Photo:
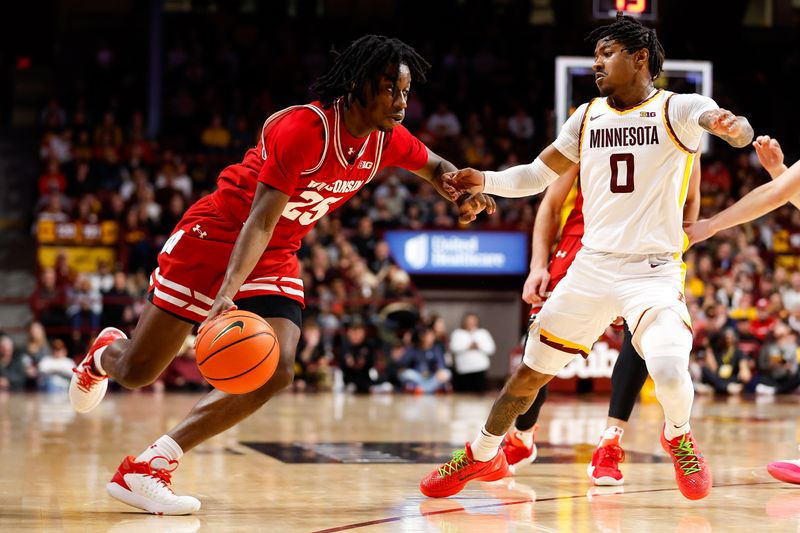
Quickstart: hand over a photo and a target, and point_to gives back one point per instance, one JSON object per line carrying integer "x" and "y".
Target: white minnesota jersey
{"x": 635, "y": 168}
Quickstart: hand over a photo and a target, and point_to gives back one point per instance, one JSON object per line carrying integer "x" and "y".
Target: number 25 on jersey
{"x": 311, "y": 210}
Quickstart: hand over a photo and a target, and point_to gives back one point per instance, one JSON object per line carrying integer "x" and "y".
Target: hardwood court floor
{"x": 340, "y": 463}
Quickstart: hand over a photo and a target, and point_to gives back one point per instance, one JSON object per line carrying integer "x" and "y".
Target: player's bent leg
{"x": 213, "y": 414}
{"x": 131, "y": 362}
{"x": 666, "y": 343}
{"x": 482, "y": 460}
{"x": 519, "y": 444}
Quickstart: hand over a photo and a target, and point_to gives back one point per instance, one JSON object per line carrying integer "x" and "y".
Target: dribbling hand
{"x": 222, "y": 304}
{"x": 466, "y": 180}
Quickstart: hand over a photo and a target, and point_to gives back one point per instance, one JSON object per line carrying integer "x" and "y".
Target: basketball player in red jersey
{"x": 630, "y": 371}
{"x": 237, "y": 248}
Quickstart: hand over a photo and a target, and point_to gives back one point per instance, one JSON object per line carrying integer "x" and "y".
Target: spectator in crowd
{"x": 55, "y": 369}
{"x": 777, "y": 363}
{"x": 16, "y": 368}
{"x": 422, "y": 367}
{"x": 84, "y": 305}
{"x": 49, "y": 300}
{"x": 116, "y": 300}
{"x": 444, "y": 123}
{"x": 216, "y": 138}
{"x": 471, "y": 346}
{"x": 357, "y": 356}
{"x": 312, "y": 364}
{"x": 520, "y": 124}
{"x": 37, "y": 346}
{"x": 726, "y": 368}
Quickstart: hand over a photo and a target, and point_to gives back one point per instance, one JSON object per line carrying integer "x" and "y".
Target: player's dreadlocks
{"x": 365, "y": 60}
{"x": 633, "y": 36}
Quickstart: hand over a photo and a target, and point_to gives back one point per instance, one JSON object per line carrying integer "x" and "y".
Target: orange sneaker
{"x": 517, "y": 453}
{"x": 87, "y": 389}
{"x": 147, "y": 486}
{"x": 451, "y": 477}
{"x": 604, "y": 469}
{"x": 691, "y": 471}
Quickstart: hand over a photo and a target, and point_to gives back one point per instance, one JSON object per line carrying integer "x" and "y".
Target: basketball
{"x": 238, "y": 352}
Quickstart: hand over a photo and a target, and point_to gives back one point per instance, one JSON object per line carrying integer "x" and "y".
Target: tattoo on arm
{"x": 505, "y": 411}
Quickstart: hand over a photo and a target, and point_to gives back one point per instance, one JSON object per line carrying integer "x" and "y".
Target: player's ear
{"x": 642, "y": 58}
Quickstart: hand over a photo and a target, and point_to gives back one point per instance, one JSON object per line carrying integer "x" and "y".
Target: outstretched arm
{"x": 770, "y": 155}
{"x": 734, "y": 130}
{"x": 469, "y": 205}
{"x": 514, "y": 182}
{"x": 754, "y": 204}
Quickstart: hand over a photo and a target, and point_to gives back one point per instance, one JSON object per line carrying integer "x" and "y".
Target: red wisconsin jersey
{"x": 573, "y": 226}
{"x": 306, "y": 153}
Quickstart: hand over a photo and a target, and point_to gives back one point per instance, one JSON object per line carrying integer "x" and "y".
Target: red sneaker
{"x": 87, "y": 388}
{"x": 604, "y": 469}
{"x": 147, "y": 486}
{"x": 691, "y": 471}
{"x": 451, "y": 477}
{"x": 517, "y": 453}
{"x": 787, "y": 470}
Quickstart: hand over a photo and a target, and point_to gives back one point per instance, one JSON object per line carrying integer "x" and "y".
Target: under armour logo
{"x": 200, "y": 232}
{"x": 351, "y": 151}
{"x": 561, "y": 254}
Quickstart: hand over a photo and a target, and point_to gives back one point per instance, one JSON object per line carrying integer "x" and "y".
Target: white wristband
{"x": 518, "y": 181}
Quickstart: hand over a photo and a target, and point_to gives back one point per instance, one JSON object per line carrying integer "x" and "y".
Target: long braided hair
{"x": 633, "y": 36}
{"x": 365, "y": 61}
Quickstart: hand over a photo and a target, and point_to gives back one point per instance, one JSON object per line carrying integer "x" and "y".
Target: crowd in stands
{"x": 364, "y": 328}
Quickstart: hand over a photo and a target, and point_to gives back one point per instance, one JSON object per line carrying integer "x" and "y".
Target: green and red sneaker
{"x": 691, "y": 471}
{"x": 451, "y": 477}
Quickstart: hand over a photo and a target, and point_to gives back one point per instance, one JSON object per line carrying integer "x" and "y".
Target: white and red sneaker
{"x": 87, "y": 388}
{"x": 604, "y": 468}
{"x": 787, "y": 470}
{"x": 147, "y": 486}
{"x": 517, "y": 452}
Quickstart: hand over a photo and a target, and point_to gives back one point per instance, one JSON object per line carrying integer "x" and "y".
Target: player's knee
{"x": 668, "y": 373}
{"x": 666, "y": 336}
{"x": 283, "y": 377}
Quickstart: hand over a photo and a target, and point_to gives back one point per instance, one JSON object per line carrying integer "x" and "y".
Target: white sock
{"x": 526, "y": 436}
{"x": 610, "y": 434}
{"x": 97, "y": 356}
{"x": 485, "y": 447}
{"x": 670, "y": 431}
{"x": 165, "y": 446}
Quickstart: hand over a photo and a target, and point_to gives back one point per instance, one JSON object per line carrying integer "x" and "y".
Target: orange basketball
{"x": 237, "y": 352}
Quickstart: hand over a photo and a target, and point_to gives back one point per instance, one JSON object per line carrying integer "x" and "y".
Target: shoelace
{"x": 459, "y": 461}
{"x": 611, "y": 456}
{"x": 686, "y": 457}
{"x": 85, "y": 380}
{"x": 163, "y": 475}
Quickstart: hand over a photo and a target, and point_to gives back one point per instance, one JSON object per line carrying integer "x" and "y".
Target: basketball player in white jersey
{"x": 635, "y": 146}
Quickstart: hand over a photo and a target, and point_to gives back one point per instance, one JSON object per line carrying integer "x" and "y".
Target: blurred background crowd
{"x": 365, "y": 326}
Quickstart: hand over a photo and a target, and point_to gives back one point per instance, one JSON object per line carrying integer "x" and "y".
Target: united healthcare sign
{"x": 460, "y": 252}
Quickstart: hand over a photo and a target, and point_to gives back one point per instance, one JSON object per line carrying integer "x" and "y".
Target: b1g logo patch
{"x": 647, "y": 114}
{"x": 365, "y": 164}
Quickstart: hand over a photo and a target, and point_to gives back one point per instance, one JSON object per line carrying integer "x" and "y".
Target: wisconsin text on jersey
{"x": 336, "y": 186}
{"x": 628, "y": 136}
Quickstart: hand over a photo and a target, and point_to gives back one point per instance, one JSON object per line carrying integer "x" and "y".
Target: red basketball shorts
{"x": 193, "y": 261}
